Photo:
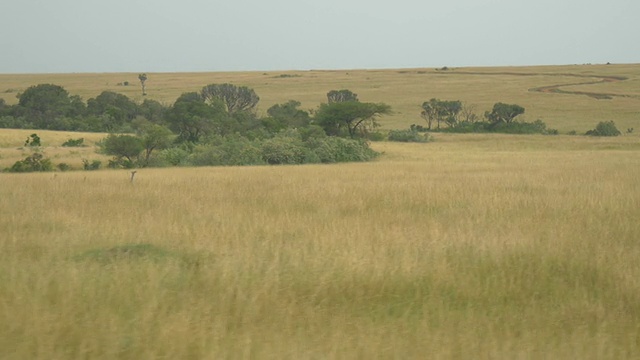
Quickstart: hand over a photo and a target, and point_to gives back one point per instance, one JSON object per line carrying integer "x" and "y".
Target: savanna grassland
{"x": 405, "y": 90}
{"x": 470, "y": 246}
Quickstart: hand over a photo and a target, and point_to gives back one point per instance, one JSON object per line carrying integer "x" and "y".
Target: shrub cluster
{"x": 74, "y": 143}
{"x": 32, "y": 163}
{"x": 604, "y": 128}
{"x": 411, "y": 135}
{"x": 287, "y": 148}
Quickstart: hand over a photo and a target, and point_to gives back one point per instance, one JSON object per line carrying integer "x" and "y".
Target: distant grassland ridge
{"x": 549, "y": 93}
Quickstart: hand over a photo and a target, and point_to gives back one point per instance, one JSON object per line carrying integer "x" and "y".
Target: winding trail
{"x": 557, "y": 89}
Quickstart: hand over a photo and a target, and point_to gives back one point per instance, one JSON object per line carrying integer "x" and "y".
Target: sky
{"x": 76, "y": 36}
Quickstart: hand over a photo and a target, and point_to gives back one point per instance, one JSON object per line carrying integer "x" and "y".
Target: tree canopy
{"x": 353, "y": 116}
{"x": 441, "y": 111}
{"x": 335, "y": 96}
{"x": 504, "y": 113}
{"x": 235, "y": 98}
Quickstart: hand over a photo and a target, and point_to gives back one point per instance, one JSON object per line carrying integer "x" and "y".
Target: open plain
{"x": 469, "y": 246}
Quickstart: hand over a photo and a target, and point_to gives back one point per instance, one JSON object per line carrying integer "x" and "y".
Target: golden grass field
{"x": 468, "y": 247}
{"x": 405, "y": 90}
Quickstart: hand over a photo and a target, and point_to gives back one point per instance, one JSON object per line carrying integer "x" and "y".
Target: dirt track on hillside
{"x": 557, "y": 89}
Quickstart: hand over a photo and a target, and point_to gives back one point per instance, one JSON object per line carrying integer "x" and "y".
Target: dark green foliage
{"x": 441, "y": 111}
{"x": 604, "y": 128}
{"x": 284, "y": 149}
{"x": 375, "y": 136}
{"x": 333, "y": 149}
{"x": 32, "y": 163}
{"x": 33, "y": 140}
{"x": 153, "y": 137}
{"x": 10, "y": 122}
{"x": 287, "y": 115}
{"x": 288, "y": 147}
{"x": 515, "y": 127}
{"x": 124, "y": 148}
{"x": 350, "y": 118}
{"x": 347, "y": 150}
{"x": 119, "y": 107}
{"x": 192, "y": 118}
{"x": 336, "y": 96}
{"x": 408, "y": 136}
{"x": 174, "y": 156}
{"x": 504, "y": 113}
{"x": 63, "y": 167}
{"x": 43, "y": 103}
{"x": 74, "y": 143}
{"x": 152, "y": 110}
{"x": 226, "y": 151}
{"x": 418, "y": 128}
{"x": 93, "y": 165}
{"x": 235, "y": 98}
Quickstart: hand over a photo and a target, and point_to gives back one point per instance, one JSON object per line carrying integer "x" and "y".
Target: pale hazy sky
{"x": 54, "y": 36}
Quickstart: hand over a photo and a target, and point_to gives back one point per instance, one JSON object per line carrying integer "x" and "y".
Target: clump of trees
{"x": 455, "y": 116}
{"x": 218, "y": 125}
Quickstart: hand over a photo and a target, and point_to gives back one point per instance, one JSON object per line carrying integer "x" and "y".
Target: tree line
{"x": 217, "y": 125}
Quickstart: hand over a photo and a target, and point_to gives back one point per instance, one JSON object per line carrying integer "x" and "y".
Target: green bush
{"x": 172, "y": 157}
{"x": 375, "y": 136}
{"x": 63, "y": 167}
{"x": 32, "y": 163}
{"x": 74, "y": 143}
{"x": 33, "y": 140}
{"x": 408, "y": 136}
{"x": 283, "y": 150}
{"x": 604, "y": 128}
{"x": 226, "y": 151}
{"x": 348, "y": 150}
{"x": 93, "y": 165}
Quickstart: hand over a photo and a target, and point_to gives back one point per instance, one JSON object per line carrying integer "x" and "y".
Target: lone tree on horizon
{"x": 143, "y": 78}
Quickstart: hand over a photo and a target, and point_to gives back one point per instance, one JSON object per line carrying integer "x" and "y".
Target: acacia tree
{"x": 504, "y": 113}
{"x": 235, "y": 98}
{"x": 355, "y": 116}
{"x": 335, "y": 96}
{"x": 143, "y": 78}
{"x": 441, "y": 111}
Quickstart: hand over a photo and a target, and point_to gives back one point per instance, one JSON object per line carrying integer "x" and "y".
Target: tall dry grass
{"x": 468, "y": 247}
{"x": 12, "y": 147}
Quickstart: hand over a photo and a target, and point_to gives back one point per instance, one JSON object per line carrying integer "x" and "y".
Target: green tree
{"x": 154, "y": 137}
{"x": 351, "y": 116}
{"x": 192, "y": 118}
{"x": 335, "y": 96}
{"x": 287, "y": 115}
{"x": 118, "y": 106}
{"x": 234, "y": 98}
{"x": 153, "y": 110}
{"x": 43, "y": 103}
{"x": 123, "y": 147}
{"x": 441, "y": 111}
{"x": 504, "y": 113}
